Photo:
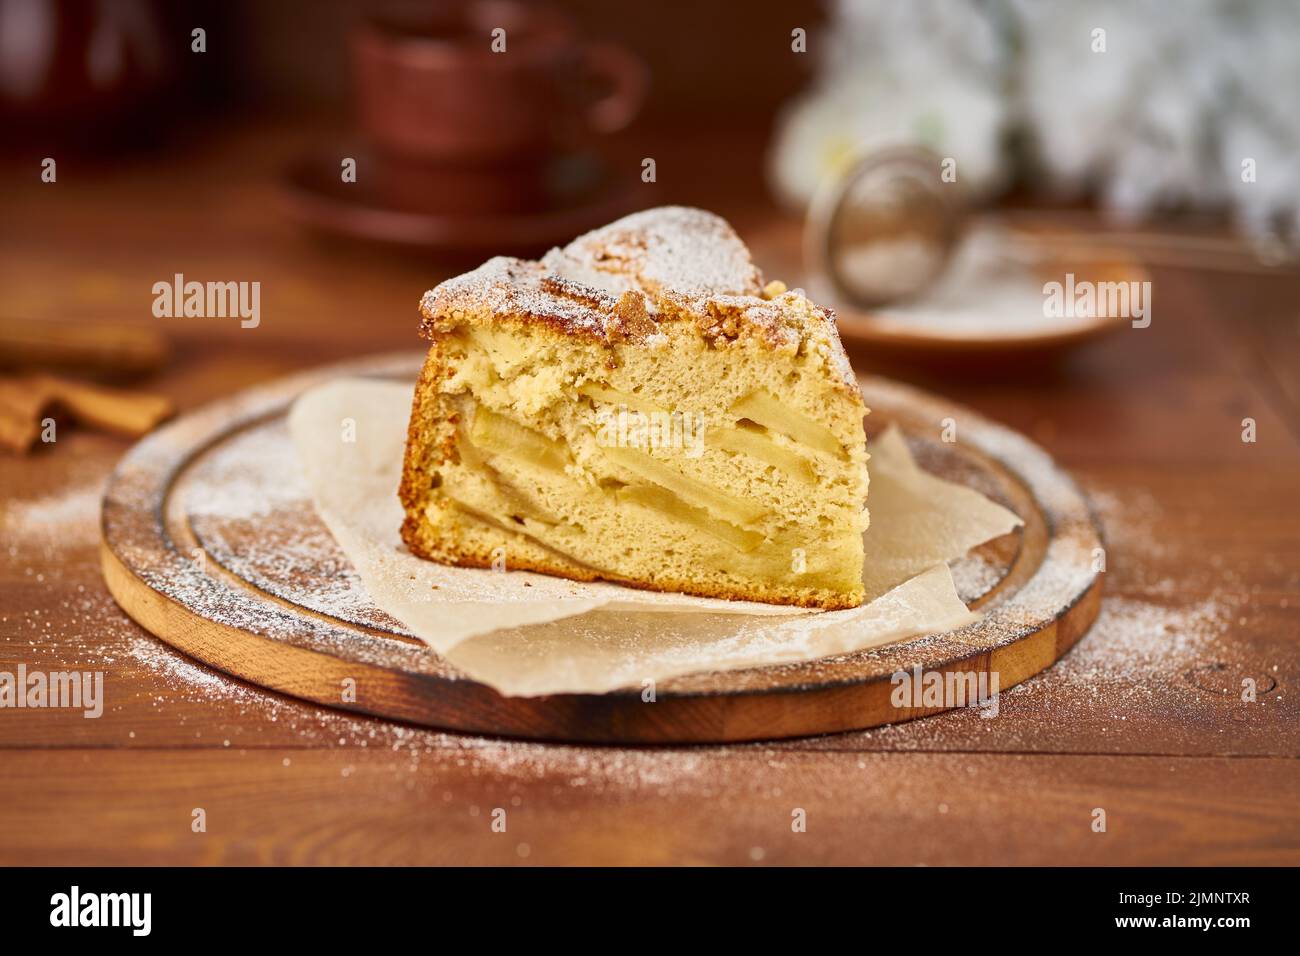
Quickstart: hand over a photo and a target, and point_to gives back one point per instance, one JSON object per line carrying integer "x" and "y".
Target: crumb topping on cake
{"x": 669, "y": 249}
{"x": 619, "y": 282}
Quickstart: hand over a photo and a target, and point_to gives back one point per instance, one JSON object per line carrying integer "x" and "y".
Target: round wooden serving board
{"x": 210, "y": 542}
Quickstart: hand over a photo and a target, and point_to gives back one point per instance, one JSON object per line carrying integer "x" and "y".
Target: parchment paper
{"x": 530, "y": 634}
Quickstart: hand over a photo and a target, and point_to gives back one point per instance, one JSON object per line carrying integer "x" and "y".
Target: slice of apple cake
{"x": 638, "y": 407}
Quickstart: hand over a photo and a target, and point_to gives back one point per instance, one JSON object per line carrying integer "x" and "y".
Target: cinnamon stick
{"x": 26, "y": 400}
{"x": 22, "y": 405}
{"x": 126, "y": 413}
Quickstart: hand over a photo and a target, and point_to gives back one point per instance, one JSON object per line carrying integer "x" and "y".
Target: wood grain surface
{"x": 1141, "y": 719}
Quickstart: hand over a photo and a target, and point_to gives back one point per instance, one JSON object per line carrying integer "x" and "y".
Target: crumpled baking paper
{"x": 528, "y": 634}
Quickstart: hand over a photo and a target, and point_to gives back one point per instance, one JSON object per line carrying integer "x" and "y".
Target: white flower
{"x": 928, "y": 71}
{"x": 1144, "y": 104}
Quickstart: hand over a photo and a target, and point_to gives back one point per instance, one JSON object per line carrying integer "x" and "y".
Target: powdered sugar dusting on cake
{"x": 624, "y": 281}
{"x": 669, "y": 249}
{"x": 515, "y": 286}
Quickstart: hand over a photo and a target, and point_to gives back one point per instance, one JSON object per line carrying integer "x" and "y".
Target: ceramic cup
{"x": 467, "y": 104}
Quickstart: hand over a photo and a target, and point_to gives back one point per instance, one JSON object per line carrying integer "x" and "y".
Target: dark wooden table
{"x": 1143, "y": 720}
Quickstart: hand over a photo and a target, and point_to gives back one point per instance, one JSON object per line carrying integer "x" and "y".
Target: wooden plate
{"x": 244, "y": 578}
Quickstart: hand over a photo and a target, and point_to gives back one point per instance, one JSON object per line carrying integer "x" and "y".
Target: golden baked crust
{"x": 644, "y": 286}
{"x": 620, "y": 281}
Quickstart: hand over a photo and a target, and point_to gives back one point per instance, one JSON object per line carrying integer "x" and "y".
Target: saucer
{"x": 980, "y": 306}
{"x": 581, "y": 192}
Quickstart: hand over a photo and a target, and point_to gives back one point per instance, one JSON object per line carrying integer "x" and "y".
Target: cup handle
{"x": 628, "y": 79}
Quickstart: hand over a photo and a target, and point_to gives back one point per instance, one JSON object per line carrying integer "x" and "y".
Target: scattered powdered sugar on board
{"x": 1134, "y": 640}
{"x": 975, "y": 576}
{"x": 47, "y": 538}
{"x": 591, "y": 768}
{"x": 65, "y": 519}
{"x": 1161, "y": 668}
{"x": 234, "y": 481}
{"x": 1134, "y": 661}
{"x": 1131, "y": 684}
{"x": 249, "y": 505}
{"x": 177, "y": 671}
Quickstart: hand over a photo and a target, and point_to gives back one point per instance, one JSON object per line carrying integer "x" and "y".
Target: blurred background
{"x": 929, "y": 168}
{"x": 349, "y": 155}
